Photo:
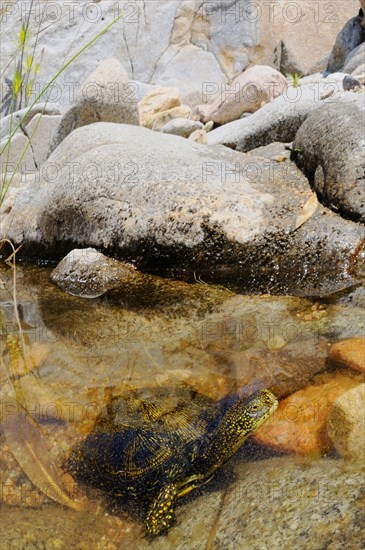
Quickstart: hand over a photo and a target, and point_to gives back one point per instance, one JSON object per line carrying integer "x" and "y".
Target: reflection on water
{"x": 83, "y": 353}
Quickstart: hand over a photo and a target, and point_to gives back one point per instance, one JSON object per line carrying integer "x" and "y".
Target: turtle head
{"x": 247, "y": 414}
{"x": 240, "y": 418}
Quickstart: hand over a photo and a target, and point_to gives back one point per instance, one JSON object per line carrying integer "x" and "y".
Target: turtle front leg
{"x": 161, "y": 512}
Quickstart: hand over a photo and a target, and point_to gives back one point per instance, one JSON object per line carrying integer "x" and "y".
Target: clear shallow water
{"x": 82, "y": 352}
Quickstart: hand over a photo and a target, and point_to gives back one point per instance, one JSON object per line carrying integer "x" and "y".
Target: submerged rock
{"x": 349, "y": 353}
{"x": 88, "y": 273}
{"x": 309, "y": 505}
{"x": 182, "y": 209}
{"x": 175, "y": 333}
{"x": 299, "y": 424}
{"x": 247, "y": 92}
{"x": 346, "y": 424}
{"x": 331, "y": 147}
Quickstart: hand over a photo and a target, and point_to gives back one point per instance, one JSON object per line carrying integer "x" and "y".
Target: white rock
{"x": 248, "y": 92}
{"x": 355, "y": 59}
{"x": 181, "y": 127}
{"x": 200, "y": 136}
{"x": 9, "y": 122}
{"x": 17, "y": 156}
{"x": 157, "y": 121}
{"x": 216, "y": 39}
{"x": 194, "y": 71}
{"x": 106, "y": 95}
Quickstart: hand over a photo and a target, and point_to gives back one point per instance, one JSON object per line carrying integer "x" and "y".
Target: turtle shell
{"x": 143, "y": 439}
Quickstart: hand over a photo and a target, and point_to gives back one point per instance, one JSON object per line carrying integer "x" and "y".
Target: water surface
{"x": 82, "y": 352}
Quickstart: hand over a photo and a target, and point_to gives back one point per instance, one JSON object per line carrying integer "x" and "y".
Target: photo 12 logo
{"x": 70, "y": 11}
{"x": 270, "y": 11}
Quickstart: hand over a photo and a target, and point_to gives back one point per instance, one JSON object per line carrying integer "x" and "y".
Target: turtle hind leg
{"x": 160, "y": 514}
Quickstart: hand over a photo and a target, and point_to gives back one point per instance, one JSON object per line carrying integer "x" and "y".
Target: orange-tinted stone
{"x": 349, "y": 353}
{"x": 299, "y": 423}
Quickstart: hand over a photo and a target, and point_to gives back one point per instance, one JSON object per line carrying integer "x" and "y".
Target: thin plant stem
{"x": 49, "y": 84}
{"x": 15, "y": 299}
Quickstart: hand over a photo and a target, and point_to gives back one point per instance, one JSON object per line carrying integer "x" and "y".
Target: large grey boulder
{"x": 349, "y": 38}
{"x": 355, "y": 59}
{"x": 332, "y": 155}
{"x": 279, "y": 120}
{"x": 181, "y": 209}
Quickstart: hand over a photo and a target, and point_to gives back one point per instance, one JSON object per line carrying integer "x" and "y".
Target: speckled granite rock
{"x": 182, "y": 209}
{"x": 332, "y": 154}
{"x": 272, "y": 504}
{"x": 279, "y": 120}
{"x": 289, "y": 505}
